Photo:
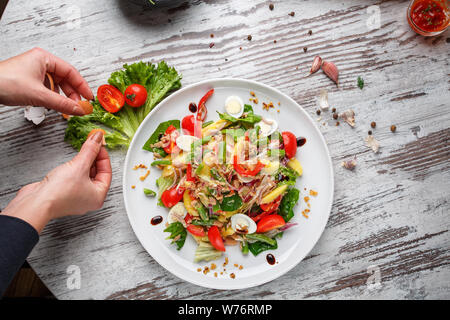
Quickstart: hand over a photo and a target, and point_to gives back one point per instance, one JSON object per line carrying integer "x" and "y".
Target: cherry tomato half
{"x": 135, "y": 95}
{"x": 174, "y": 134}
{"x": 187, "y": 124}
{"x": 111, "y": 99}
{"x": 172, "y": 196}
{"x": 290, "y": 144}
{"x": 215, "y": 238}
{"x": 268, "y": 223}
{"x": 196, "y": 230}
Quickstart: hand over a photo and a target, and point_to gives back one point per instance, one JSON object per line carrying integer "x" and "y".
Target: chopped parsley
{"x": 360, "y": 83}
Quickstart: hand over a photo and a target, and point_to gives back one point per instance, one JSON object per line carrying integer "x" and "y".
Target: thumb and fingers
{"x": 94, "y": 160}
{"x": 70, "y": 81}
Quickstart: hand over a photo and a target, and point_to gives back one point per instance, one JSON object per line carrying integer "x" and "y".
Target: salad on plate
{"x": 226, "y": 182}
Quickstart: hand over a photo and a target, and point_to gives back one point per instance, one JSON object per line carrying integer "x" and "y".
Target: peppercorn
{"x": 310, "y": 32}
{"x": 337, "y": 123}
{"x": 335, "y": 116}
{"x": 305, "y": 49}
{"x": 318, "y": 112}
{"x": 373, "y": 124}
{"x": 292, "y": 14}
{"x": 211, "y": 35}
{"x": 274, "y": 41}
{"x": 271, "y": 6}
{"x": 333, "y": 110}
{"x": 249, "y": 38}
{"x": 393, "y": 128}
{"x": 369, "y": 133}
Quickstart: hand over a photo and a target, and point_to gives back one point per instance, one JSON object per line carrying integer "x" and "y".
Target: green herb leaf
{"x": 360, "y": 83}
{"x": 154, "y": 138}
{"x": 290, "y": 199}
{"x": 176, "y": 229}
{"x": 149, "y": 193}
{"x": 231, "y": 203}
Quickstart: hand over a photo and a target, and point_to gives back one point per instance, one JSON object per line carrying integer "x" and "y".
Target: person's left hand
{"x": 73, "y": 188}
{"x": 22, "y": 82}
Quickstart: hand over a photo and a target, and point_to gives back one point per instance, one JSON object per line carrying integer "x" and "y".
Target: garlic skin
{"x": 323, "y": 100}
{"x": 317, "y": 63}
{"x": 349, "y": 164}
{"x": 348, "y": 116}
{"x": 331, "y": 71}
{"x": 372, "y": 143}
{"x": 35, "y": 114}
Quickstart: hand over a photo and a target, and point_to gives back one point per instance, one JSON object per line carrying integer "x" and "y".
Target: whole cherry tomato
{"x": 270, "y": 222}
{"x": 135, "y": 95}
{"x": 187, "y": 124}
{"x": 172, "y": 196}
{"x": 111, "y": 99}
{"x": 215, "y": 238}
{"x": 290, "y": 144}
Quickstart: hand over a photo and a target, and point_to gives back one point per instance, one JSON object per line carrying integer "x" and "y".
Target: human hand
{"x": 22, "y": 82}
{"x": 73, "y": 188}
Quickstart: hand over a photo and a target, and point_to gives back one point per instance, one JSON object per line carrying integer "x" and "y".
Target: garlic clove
{"x": 331, "y": 71}
{"x": 317, "y": 63}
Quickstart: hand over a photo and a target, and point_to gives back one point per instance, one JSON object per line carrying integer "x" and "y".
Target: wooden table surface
{"x": 390, "y": 217}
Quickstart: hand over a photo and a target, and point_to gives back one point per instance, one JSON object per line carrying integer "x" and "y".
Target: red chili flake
{"x": 211, "y": 44}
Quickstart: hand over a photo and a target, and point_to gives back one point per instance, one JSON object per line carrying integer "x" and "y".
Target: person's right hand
{"x": 22, "y": 82}
{"x": 73, "y": 188}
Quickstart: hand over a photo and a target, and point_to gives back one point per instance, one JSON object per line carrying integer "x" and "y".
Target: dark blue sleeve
{"x": 17, "y": 239}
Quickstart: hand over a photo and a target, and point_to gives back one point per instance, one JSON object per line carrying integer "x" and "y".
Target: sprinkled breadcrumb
{"x": 313, "y": 193}
{"x": 142, "y": 178}
{"x": 133, "y": 186}
{"x": 232, "y": 275}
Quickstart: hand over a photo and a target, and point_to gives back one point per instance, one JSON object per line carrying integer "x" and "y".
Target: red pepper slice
{"x": 244, "y": 171}
{"x": 189, "y": 176}
{"x": 201, "y": 114}
{"x": 272, "y": 206}
{"x": 174, "y": 134}
{"x": 262, "y": 215}
{"x": 202, "y": 111}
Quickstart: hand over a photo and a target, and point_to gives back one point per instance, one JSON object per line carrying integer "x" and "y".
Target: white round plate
{"x": 296, "y": 242}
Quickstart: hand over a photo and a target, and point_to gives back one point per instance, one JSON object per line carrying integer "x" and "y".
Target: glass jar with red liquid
{"x": 429, "y": 17}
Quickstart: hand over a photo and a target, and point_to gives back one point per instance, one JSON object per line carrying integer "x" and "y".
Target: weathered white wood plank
{"x": 392, "y": 211}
